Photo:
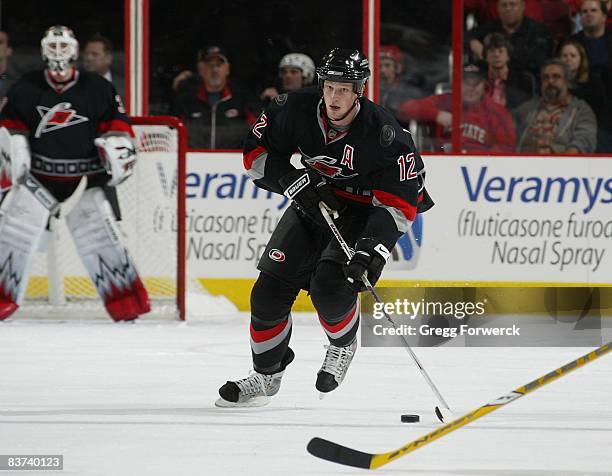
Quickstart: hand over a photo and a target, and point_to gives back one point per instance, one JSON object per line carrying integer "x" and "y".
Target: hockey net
{"x": 151, "y": 202}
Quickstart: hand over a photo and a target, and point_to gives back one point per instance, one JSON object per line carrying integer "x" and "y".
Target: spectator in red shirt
{"x": 485, "y": 125}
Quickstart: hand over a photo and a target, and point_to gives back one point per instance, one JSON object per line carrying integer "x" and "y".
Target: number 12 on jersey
{"x": 406, "y": 167}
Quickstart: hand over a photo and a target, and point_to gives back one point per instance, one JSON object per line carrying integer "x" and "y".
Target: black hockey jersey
{"x": 62, "y": 121}
{"x": 374, "y": 163}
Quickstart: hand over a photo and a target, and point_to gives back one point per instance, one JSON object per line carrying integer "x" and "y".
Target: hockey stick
{"x": 342, "y": 455}
{"x": 349, "y": 253}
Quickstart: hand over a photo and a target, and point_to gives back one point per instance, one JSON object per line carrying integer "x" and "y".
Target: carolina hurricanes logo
{"x": 276, "y": 255}
{"x": 325, "y": 166}
{"x": 57, "y": 117}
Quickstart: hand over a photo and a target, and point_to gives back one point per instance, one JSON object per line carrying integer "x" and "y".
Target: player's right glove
{"x": 307, "y": 188}
{"x": 370, "y": 256}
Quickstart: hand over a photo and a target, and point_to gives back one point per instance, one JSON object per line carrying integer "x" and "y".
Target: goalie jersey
{"x": 373, "y": 167}
{"x": 61, "y": 122}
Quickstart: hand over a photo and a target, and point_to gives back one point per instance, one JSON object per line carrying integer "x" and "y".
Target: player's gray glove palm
{"x": 307, "y": 188}
{"x": 370, "y": 256}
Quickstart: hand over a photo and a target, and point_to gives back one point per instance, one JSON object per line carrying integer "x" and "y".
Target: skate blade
{"x": 322, "y": 395}
{"x": 251, "y": 403}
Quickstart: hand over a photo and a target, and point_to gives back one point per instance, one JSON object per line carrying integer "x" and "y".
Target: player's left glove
{"x": 370, "y": 256}
{"x": 307, "y": 188}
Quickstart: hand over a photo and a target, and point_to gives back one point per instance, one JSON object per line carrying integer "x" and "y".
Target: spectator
{"x": 595, "y": 37}
{"x": 295, "y": 71}
{"x": 485, "y": 125}
{"x": 531, "y": 43}
{"x": 393, "y": 90}
{"x": 217, "y": 116}
{"x": 8, "y": 74}
{"x": 590, "y": 88}
{"x": 558, "y": 122}
{"x": 486, "y": 10}
{"x": 505, "y": 86}
{"x": 98, "y": 58}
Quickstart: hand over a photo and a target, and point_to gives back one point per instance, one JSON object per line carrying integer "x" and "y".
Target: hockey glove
{"x": 307, "y": 188}
{"x": 118, "y": 156}
{"x": 370, "y": 256}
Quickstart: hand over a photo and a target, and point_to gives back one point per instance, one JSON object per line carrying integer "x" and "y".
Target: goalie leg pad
{"x": 24, "y": 213}
{"x": 14, "y": 158}
{"x": 97, "y": 238}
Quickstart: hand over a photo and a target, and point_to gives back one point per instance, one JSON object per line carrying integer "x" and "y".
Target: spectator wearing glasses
{"x": 557, "y": 122}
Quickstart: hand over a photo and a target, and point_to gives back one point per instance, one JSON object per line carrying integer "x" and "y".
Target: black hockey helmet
{"x": 344, "y": 66}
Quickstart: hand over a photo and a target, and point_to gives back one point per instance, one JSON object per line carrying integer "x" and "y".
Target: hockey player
{"x": 66, "y": 125}
{"x": 364, "y": 167}
{"x": 295, "y": 71}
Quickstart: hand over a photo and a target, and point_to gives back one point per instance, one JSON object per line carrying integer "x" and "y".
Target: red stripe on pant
{"x": 340, "y": 329}
{"x": 261, "y": 336}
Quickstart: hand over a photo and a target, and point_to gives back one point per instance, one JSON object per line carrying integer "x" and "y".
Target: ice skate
{"x": 335, "y": 366}
{"x": 254, "y": 390}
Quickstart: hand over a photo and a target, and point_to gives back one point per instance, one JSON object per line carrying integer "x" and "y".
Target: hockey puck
{"x": 410, "y": 418}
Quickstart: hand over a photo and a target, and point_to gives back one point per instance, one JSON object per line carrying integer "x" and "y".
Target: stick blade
{"x": 330, "y": 451}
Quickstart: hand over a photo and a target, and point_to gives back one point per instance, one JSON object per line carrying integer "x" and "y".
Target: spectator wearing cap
{"x": 531, "y": 42}
{"x": 393, "y": 90}
{"x": 295, "y": 71}
{"x": 217, "y": 115}
{"x": 505, "y": 86}
{"x": 98, "y": 58}
{"x": 8, "y": 73}
{"x": 486, "y": 127}
{"x": 557, "y": 122}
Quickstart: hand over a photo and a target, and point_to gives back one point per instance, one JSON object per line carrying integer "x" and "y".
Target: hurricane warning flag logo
{"x": 325, "y": 165}
{"x": 57, "y": 117}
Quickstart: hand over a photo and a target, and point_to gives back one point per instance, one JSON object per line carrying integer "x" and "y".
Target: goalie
{"x": 65, "y": 125}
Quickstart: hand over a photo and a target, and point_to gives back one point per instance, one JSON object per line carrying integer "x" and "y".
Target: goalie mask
{"x": 59, "y": 49}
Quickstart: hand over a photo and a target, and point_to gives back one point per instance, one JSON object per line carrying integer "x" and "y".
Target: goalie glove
{"x": 370, "y": 256}
{"x": 118, "y": 156}
{"x": 14, "y": 158}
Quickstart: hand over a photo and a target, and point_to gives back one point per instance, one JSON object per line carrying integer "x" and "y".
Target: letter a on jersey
{"x": 347, "y": 156}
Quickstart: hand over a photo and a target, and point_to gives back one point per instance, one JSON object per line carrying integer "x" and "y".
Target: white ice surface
{"x": 137, "y": 399}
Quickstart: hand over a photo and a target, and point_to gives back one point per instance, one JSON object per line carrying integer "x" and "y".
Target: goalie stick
{"x": 349, "y": 253}
{"x": 336, "y": 453}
